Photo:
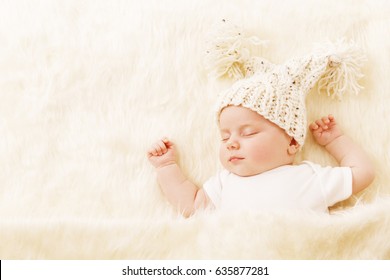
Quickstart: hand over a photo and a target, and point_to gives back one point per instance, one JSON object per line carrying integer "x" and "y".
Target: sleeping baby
{"x": 262, "y": 124}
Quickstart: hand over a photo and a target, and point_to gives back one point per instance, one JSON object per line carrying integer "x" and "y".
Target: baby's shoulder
{"x": 306, "y": 164}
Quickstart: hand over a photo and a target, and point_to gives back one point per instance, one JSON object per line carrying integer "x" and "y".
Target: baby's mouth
{"x": 235, "y": 159}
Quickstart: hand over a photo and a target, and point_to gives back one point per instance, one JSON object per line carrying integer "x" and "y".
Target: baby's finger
{"x": 161, "y": 148}
{"x": 326, "y": 120}
{"x": 321, "y": 124}
{"x": 152, "y": 152}
{"x": 313, "y": 126}
{"x": 167, "y": 142}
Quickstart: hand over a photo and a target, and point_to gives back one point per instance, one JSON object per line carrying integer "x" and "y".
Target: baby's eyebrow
{"x": 247, "y": 125}
{"x": 223, "y": 130}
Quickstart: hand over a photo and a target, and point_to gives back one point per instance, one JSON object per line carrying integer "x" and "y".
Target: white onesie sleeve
{"x": 336, "y": 182}
{"x": 213, "y": 188}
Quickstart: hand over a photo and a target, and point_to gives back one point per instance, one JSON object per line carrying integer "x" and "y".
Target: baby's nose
{"x": 233, "y": 144}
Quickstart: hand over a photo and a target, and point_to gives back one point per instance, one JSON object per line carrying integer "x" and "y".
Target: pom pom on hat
{"x": 343, "y": 71}
{"x": 228, "y": 51}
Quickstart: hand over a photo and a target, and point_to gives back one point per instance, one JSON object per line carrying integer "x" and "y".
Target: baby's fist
{"x": 325, "y": 130}
{"x": 162, "y": 153}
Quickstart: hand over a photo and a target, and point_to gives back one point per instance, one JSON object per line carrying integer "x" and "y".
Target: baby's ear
{"x": 293, "y": 148}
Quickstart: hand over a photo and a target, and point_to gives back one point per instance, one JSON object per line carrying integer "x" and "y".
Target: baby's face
{"x": 250, "y": 143}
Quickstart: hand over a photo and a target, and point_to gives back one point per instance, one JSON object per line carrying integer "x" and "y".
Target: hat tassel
{"x": 228, "y": 51}
{"x": 343, "y": 72}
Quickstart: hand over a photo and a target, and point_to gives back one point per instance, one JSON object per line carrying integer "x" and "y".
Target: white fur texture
{"x": 87, "y": 86}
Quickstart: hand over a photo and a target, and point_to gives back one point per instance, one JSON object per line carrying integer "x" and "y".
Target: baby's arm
{"x": 327, "y": 133}
{"x": 180, "y": 192}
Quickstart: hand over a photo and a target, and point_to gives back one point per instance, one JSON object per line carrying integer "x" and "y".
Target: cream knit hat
{"x": 278, "y": 91}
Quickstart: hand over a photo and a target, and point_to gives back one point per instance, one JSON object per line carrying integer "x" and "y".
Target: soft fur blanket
{"x": 87, "y": 86}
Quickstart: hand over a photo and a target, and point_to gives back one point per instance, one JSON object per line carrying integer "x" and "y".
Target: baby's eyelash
{"x": 250, "y": 133}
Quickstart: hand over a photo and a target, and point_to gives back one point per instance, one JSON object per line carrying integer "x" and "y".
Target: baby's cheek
{"x": 222, "y": 155}
{"x": 261, "y": 153}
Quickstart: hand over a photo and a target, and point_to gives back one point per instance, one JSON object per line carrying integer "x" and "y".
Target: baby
{"x": 262, "y": 122}
{"x": 253, "y": 147}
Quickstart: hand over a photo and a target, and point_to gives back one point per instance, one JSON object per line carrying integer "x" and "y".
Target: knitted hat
{"x": 278, "y": 91}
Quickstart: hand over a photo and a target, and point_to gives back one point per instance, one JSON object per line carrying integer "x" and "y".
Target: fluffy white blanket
{"x": 87, "y": 86}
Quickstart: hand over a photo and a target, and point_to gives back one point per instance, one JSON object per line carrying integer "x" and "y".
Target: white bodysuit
{"x": 306, "y": 186}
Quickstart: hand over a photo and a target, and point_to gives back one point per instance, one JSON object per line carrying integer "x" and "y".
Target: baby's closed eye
{"x": 249, "y": 132}
{"x": 225, "y": 137}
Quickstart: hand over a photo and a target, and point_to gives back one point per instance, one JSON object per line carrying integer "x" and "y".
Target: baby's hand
{"x": 325, "y": 130}
{"x": 162, "y": 153}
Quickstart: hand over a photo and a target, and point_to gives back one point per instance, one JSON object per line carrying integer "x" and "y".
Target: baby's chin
{"x": 243, "y": 172}
{"x": 242, "y": 168}
{"x": 247, "y": 171}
